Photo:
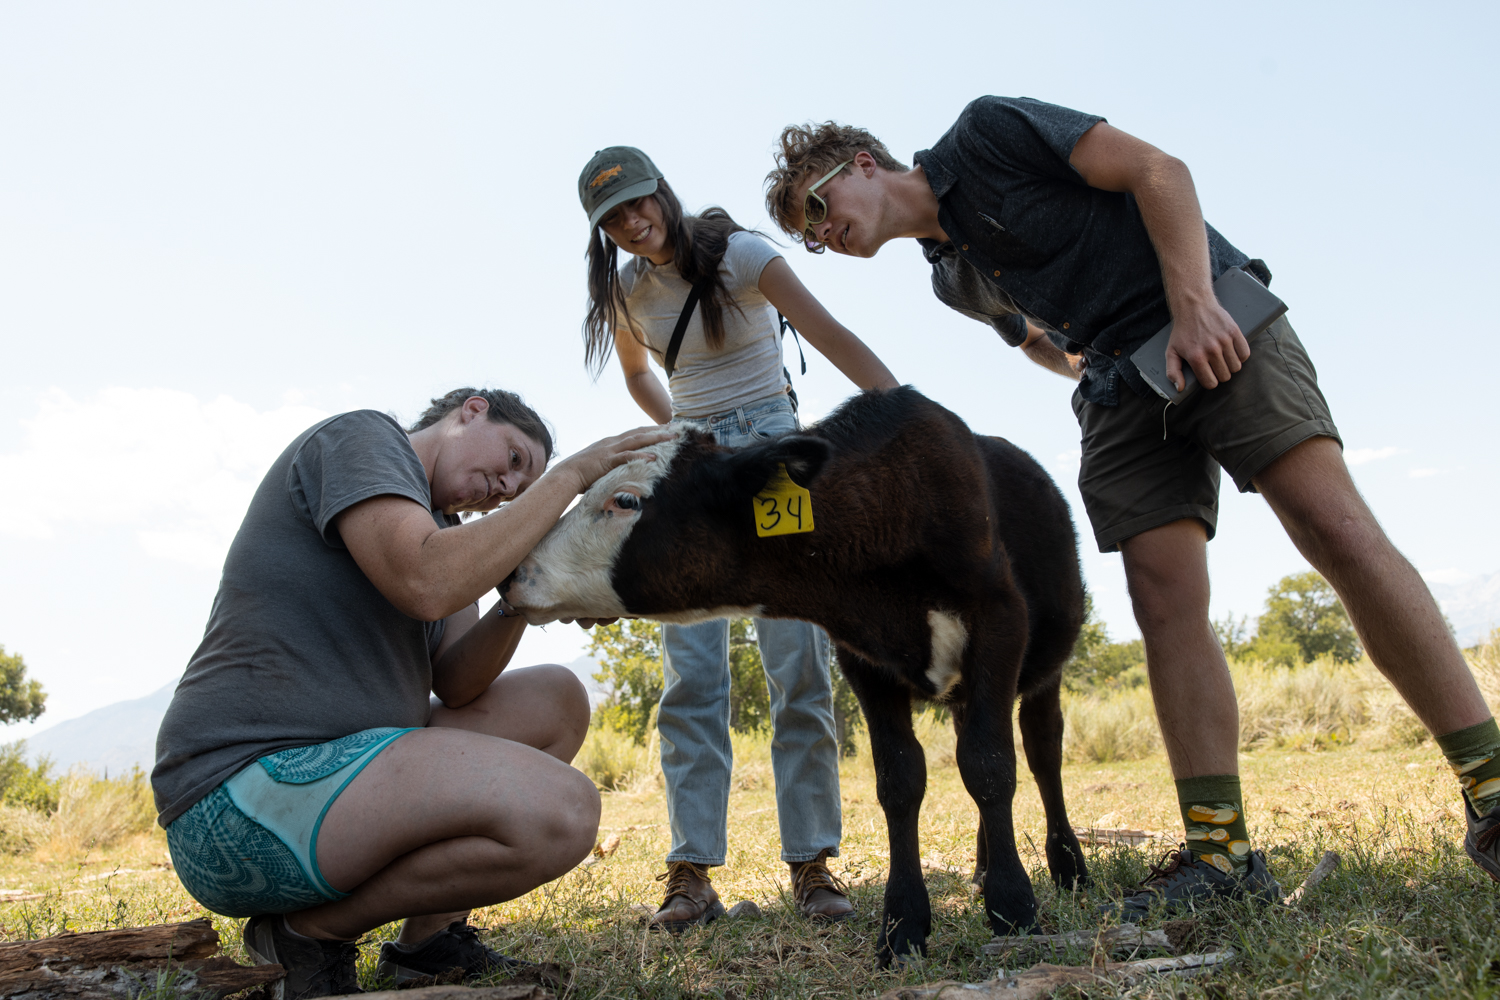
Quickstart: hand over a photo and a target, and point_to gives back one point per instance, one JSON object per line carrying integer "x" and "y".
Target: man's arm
{"x": 1041, "y": 350}
{"x": 1203, "y": 334}
{"x": 833, "y": 340}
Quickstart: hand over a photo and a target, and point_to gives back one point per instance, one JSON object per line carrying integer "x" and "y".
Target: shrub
{"x": 1109, "y": 725}
{"x": 23, "y": 784}
{"x": 97, "y": 812}
{"x": 1309, "y": 705}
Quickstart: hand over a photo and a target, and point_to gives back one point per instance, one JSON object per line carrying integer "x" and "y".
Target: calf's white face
{"x": 568, "y": 574}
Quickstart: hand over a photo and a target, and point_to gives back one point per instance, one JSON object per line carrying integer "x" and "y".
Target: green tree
{"x": 1096, "y": 661}
{"x": 629, "y": 655}
{"x": 23, "y": 784}
{"x": 749, "y": 702}
{"x": 19, "y": 698}
{"x": 1304, "y": 619}
{"x": 630, "y": 666}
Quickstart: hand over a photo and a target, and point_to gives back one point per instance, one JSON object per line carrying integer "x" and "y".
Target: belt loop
{"x": 739, "y": 411}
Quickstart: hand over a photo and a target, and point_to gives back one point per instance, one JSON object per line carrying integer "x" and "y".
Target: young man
{"x": 303, "y": 777}
{"x": 1077, "y": 242}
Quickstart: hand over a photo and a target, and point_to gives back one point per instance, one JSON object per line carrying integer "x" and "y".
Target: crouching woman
{"x": 304, "y": 775}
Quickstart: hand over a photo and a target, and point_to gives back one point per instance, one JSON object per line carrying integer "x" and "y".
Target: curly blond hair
{"x": 809, "y": 151}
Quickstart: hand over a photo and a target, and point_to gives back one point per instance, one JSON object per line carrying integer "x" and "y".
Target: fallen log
{"x": 505, "y": 991}
{"x": 110, "y": 965}
{"x": 1125, "y": 936}
{"x": 1175, "y": 935}
{"x": 1043, "y": 979}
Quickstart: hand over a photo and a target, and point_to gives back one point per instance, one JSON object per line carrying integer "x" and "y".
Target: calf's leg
{"x": 981, "y": 845}
{"x": 1041, "y": 734}
{"x": 987, "y": 761}
{"x": 900, "y": 783}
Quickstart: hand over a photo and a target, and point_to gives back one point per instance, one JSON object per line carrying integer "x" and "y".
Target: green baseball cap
{"x": 614, "y": 176}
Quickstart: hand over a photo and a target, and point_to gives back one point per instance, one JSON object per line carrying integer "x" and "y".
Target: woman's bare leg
{"x": 476, "y": 809}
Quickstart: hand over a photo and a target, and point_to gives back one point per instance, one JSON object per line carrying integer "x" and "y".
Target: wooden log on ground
{"x": 1175, "y": 935}
{"x": 111, "y": 965}
{"x": 1042, "y": 980}
{"x": 505, "y": 991}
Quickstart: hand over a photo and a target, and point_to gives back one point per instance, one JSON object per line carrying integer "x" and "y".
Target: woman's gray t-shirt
{"x": 706, "y": 381}
{"x": 300, "y": 647}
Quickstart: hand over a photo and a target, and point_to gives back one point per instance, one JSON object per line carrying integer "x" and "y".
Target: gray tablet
{"x": 1251, "y": 305}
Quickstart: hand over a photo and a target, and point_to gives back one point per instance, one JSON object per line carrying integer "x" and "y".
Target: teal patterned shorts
{"x": 250, "y": 846}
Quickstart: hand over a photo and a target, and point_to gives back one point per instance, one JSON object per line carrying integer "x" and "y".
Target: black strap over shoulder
{"x": 786, "y": 325}
{"x": 675, "y": 344}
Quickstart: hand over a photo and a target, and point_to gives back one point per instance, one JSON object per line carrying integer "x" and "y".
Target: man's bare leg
{"x": 1399, "y": 623}
{"x": 456, "y": 816}
{"x": 1166, "y": 570}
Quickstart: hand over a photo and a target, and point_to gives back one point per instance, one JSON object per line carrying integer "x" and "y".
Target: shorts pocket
{"x": 772, "y": 424}
{"x": 233, "y": 865}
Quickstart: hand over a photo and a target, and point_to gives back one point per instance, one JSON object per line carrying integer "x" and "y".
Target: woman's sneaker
{"x": 1482, "y": 840}
{"x": 454, "y": 949}
{"x": 314, "y": 968}
{"x": 1178, "y": 880}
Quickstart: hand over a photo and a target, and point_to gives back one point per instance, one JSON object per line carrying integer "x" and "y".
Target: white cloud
{"x": 1424, "y": 473}
{"x": 176, "y": 469}
{"x": 1359, "y": 456}
{"x": 1068, "y": 457}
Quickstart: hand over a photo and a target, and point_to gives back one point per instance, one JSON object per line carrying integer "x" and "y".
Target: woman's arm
{"x": 430, "y": 574}
{"x": 832, "y": 339}
{"x": 645, "y": 388}
{"x": 473, "y": 652}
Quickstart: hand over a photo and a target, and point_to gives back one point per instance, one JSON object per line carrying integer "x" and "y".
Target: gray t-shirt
{"x": 300, "y": 647}
{"x": 706, "y": 381}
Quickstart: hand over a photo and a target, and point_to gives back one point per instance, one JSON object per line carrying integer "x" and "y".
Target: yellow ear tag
{"x": 783, "y": 507}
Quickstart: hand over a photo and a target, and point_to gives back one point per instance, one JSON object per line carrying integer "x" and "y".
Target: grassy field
{"x": 1406, "y": 915}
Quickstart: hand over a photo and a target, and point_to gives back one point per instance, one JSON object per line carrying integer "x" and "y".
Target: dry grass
{"x": 1393, "y": 813}
{"x": 1406, "y": 916}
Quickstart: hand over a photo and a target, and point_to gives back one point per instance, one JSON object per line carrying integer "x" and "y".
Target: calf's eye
{"x": 627, "y": 501}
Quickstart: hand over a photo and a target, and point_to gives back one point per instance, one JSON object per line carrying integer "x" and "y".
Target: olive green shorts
{"x": 1146, "y": 464}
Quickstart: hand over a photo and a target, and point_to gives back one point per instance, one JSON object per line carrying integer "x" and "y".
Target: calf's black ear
{"x": 803, "y": 457}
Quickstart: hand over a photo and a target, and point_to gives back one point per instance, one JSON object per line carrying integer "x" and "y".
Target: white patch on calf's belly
{"x": 705, "y": 614}
{"x": 949, "y": 636}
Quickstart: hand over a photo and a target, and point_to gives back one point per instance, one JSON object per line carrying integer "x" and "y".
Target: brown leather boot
{"x": 819, "y": 895}
{"x": 690, "y": 899}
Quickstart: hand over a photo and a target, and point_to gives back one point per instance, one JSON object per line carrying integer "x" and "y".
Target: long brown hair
{"x": 698, "y": 245}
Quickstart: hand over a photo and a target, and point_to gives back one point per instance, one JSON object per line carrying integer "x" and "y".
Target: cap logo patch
{"x": 607, "y": 174}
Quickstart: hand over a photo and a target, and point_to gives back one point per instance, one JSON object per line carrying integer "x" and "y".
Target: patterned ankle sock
{"x": 1474, "y": 755}
{"x": 1214, "y": 815}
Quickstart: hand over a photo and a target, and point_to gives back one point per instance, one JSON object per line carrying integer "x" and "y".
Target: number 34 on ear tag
{"x": 783, "y": 507}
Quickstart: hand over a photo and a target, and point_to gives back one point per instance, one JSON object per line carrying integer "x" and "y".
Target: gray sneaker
{"x": 1482, "y": 841}
{"x": 1177, "y": 881}
{"x": 454, "y": 950}
{"x": 313, "y": 968}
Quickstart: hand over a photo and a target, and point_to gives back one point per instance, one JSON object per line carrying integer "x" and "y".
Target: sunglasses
{"x": 815, "y": 210}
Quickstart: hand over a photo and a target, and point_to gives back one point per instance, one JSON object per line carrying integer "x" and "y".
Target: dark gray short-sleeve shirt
{"x": 1075, "y": 260}
{"x": 300, "y": 647}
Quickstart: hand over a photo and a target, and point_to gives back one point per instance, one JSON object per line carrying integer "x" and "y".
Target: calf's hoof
{"x": 899, "y": 946}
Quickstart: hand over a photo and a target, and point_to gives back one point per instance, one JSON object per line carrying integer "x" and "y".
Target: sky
{"x": 221, "y": 222}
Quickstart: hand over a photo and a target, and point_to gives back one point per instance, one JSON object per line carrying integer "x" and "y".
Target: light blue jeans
{"x": 696, "y": 755}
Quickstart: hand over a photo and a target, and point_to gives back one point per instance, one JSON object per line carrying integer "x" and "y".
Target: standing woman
{"x": 728, "y": 379}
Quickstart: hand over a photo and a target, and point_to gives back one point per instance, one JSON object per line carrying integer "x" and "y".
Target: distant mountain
{"x": 1472, "y": 604}
{"x": 117, "y": 737}
{"x": 114, "y": 738}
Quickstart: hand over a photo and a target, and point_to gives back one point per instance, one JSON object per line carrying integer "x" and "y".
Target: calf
{"x": 943, "y": 564}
